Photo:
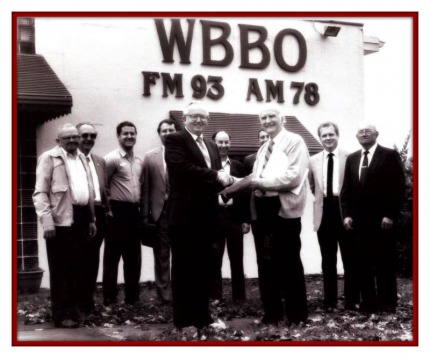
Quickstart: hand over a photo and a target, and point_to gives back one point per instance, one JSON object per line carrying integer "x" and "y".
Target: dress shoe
{"x": 67, "y": 323}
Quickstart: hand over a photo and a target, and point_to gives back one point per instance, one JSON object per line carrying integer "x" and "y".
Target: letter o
{"x": 302, "y": 50}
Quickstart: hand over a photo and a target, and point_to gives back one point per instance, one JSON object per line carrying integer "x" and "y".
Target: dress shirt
{"x": 225, "y": 168}
{"x": 78, "y": 178}
{"x": 335, "y": 171}
{"x": 95, "y": 177}
{"x": 369, "y": 157}
{"x": 124, "y": 175}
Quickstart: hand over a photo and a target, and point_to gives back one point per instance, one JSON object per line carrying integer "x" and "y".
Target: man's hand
{"x": 254, "y": 184}
{"x": 49, "y": 233}
{"x": 245, "y": 228}
{"x": 225, "y": 179}
{"x": 347, "y": 223}
{"x": 93, "y": 230}
{"x": 386, "y": 223}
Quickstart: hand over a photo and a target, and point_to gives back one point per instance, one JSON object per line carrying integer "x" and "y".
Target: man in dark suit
{"x": 233, "y": 218}
{"x": 192, "y": 165}
{"x": 97, "y": 165}
{"x": 372, "y": 196}
{"x": 155, "y": 191}
{"x": 326, "y": 173}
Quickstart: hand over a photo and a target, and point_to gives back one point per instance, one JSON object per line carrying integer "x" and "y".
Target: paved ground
{"x": 44, "y": 332}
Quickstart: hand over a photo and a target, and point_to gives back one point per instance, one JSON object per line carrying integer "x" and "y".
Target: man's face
{"x": 222, "y": 141}
{"x": 127, "y": 137}
{"x": 271, "y": 122}
{"x": 68, "y": 139}
{"x": 88, "y": 136}
{"x": 196, "y": 119}
{"x": 263, "y": 137}
{"x": 329, "y": 138}
{"x": 165, "y": 130}
{"x": 367, "y": 135}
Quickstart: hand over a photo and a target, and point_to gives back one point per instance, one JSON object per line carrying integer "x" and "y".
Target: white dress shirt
{"x": 78, "y": 179}
{"x": 369, "y": 157}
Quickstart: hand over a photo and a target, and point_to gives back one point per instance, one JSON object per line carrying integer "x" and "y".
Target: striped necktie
{"x": 364, "y": 166}
{"x": 267, "y": 155}
{"x": 204, "y": 151}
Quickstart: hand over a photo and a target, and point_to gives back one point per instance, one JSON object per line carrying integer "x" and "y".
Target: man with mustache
{"x": 64, "y": 202}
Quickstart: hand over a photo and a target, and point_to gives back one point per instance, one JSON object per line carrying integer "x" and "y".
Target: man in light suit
{"x": 232, "y": 222}
{"x": 193, "y": 164}
{"x": 155, "y": 191}
{"x": 372, "y": 195}
{"x": 64, "y": 202}
{"x": 88, "y": 135}
{"x": 277, "y": 203}
{"x": 326, "y": 171}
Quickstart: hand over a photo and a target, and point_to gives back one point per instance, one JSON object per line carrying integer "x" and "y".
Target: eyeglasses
{"x": 194, "y": 117}
{"x": 89, "y": 135}
{"x": 365, "y": 131}
{"x": 72, "y": 137}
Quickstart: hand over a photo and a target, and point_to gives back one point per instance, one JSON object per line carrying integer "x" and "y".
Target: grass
{"x": 241, "y": 318}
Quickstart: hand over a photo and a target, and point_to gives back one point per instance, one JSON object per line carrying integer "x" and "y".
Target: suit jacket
{"x": 193, "y": 186}
{"x": 154, "y": 184}
{"x": 381, "y": 195}
{"x": 240, "y": 207}
{"x": 100, "y": 165}
{"x": 294, "y": 147}
{"x": 248, "y": 163}
{"x": 53, "y": 196}
{"x": 316, "y": 182}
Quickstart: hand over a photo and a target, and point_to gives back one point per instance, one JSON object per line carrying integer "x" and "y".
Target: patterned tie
{"x": 364, "y": 167}
{"x": 89, "y": 175}
{"x": 267, "y": 155}
{"x": 204, "y": 151}
{"x": 330, "y": 176}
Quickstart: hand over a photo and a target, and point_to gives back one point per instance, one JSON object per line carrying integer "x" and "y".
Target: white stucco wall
{"x": 100, "y": 61}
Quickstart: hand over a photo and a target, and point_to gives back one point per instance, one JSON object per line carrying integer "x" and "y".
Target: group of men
{"x": 180, "y": 190}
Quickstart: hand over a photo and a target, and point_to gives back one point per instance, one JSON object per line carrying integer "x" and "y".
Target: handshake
{"x": 225, "y": 179}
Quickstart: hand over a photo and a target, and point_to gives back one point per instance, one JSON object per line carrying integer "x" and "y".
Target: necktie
{"x": 204, "y": 151}
{"x": 330, "y": 176}
{"x": 267, "y": 155}
{"x": 224, "y": 199}
{"x": 89, "y": 176}
{"x": 364, "y": 166}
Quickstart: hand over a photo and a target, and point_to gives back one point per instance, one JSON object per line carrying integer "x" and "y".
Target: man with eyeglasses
{"x": 88, "y": 135}
{"x": 372, "y": 197}
{"x": 193, "y": 165}
{"x": 64, "y": 202}
{"x": 124, "y": 179}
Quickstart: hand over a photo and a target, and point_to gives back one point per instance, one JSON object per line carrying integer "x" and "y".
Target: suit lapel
{"x": 342, "y": 160}
{"x": 374, "y": 163}
{"x": 213, "y": 154}
{"x": 319, "y": 164}
{"x": 158, "y": 157}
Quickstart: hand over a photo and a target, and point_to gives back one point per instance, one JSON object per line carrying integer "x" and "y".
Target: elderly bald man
{"x": 372, "y": 197}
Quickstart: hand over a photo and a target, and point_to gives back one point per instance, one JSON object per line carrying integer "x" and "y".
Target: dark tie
{"x": 267, "y": 155}
{"x": 204, "y": 151}
{"x": 364, "y": 167}
{"x": 330, "y": 176}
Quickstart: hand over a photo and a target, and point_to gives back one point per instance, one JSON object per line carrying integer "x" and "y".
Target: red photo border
{"x": 412, "y": 15}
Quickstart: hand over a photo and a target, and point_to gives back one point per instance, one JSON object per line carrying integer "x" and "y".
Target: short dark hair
{"x": 261, "y": 130}
{"x": 328, "y": 124}
{"x": 169, "y": 122}
{"x": 215, "y": 134}
{"x": 124, "y": 124}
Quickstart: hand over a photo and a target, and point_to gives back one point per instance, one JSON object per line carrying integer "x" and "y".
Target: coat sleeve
{"x": 43, "y": 187}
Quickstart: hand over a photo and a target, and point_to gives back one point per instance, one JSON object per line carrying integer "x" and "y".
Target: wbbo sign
{"x": 212, "y": 86}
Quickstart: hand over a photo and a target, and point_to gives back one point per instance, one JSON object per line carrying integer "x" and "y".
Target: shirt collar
{"x": 123, "y": 153}
{"x": 67, "y": 154}
{"x": 195, "y": 136}
{"x": 279, "y": 136}
{"x": 371, "y": 150}
{"x": 227, "y": 161}
{"x": 335, "y": 153}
